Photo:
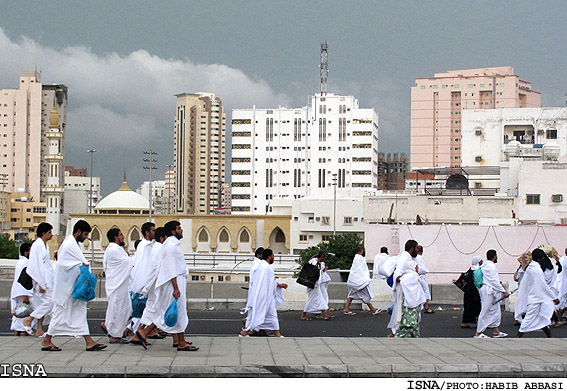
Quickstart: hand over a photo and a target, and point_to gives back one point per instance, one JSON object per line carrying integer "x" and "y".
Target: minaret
{"x": 54, "y": 189}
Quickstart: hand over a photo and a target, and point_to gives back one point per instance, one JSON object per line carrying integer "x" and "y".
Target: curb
{"x": 319, "y": 371}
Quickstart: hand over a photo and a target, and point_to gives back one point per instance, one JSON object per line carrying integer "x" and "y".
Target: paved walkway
{"x": 299, "y": 357}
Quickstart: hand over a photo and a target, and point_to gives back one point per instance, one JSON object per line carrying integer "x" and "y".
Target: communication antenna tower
{"x": 324, "y": 68}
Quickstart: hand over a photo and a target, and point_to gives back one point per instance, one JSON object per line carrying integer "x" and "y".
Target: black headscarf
{"x": 540, "y": 257}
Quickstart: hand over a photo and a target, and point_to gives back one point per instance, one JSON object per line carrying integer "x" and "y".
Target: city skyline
{"x": 123, "y": 75}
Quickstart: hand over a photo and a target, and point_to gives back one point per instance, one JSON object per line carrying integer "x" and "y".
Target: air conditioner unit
{"x": 478, "y": 132}
{"x": 557, "y": 197}
{"x": 478, "y": 159}
{"x": 540, "y": 131}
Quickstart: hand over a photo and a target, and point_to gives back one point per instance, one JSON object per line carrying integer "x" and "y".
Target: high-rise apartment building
{"x": 437, "y": 104}
{"x": 293, "y": 153}
{"x": 32, "y": 134}
{"x": 199, "y": 152}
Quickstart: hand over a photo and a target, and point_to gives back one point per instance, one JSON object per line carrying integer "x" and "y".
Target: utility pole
{"x": 91, "y": 151}
{"x": 3, "y": 178}
{"x": 150, "y": 160}
{"x": 169, "y": 190}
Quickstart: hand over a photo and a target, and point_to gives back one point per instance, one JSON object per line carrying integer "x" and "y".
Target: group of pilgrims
{"x": 157, "y": 275}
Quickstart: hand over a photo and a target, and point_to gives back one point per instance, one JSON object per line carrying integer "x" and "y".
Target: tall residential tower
{"x": 437, "y": 104}
{"x": 32, "y": 130}
{"x": 199, "y": 153}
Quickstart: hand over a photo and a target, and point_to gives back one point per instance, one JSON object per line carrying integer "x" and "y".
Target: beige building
{"x": 32, "y": 130}
{"x": 21, "y": 215}
{"x": 437, "y": 104}
{"x": 199, "y": 152}
{"x": 222, "y": 234}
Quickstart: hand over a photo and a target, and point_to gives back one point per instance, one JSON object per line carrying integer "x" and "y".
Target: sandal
{"x": 376, "y": 312}
{"x": 96, "y": 347}
{"x": 349, "y": 313}
{"x": 305, "y": 318}
{"x": 156, "y": 336}
{"x": 134, "y": 342}
{"x": 142, "y": 340}
{"x": 51, "y": 348}
{"x": 429, "y": 311}
{"x": 188, "y": 348}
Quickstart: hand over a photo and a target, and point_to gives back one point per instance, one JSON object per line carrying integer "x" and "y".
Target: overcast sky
{"x": 124, "y": 61}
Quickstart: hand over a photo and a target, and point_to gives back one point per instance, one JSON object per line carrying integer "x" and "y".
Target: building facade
{"x": 199, "y": 152}
{"x": 32, "y": 126}
{"x": 77, "y": 191}
{"x": 158, "y": 189}
{"x": 294, "y": 153}
{"x": 392, "y": 171}
{"x": 438, "y": 104}
{"x": 21, "y": 215}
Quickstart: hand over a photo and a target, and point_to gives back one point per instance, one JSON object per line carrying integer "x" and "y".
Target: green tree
{"x": 341, "y": 249}
{"x": 8, "y": 248}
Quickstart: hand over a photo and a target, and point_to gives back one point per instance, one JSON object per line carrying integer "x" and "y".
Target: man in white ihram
{"x": 141, "y": 272}
{"x": 171, "y": 284}
{"x": 41, "y": 270}
{"x": 70, "y": 315}
{"x": 358, "y": 283}
{"x": 20, "y": 295}
{"x": 117, "y": 269}
{"x": 264, "y": 299}
{"x": 490, "y": 291}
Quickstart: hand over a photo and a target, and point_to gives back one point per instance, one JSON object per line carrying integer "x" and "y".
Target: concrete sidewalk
{"x": 299, "y": 357}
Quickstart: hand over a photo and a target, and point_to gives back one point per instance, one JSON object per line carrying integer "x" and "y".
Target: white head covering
{"x": 475, "y": 262}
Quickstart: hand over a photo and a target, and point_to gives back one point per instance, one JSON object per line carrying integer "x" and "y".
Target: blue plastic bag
{"x": 85, "y": 287}
{"x": 139, "y": 301}
{"x": 170, "y": 317}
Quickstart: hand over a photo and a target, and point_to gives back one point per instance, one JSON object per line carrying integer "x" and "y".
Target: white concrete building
{"x": 314, "y": 219}
{"x": 158, "y": 191}
{"x": 492, "y": 137}
{"x": 77, "y": 189}
{"x": 294, "y": 153}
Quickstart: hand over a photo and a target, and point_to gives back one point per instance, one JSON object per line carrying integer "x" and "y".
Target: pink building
{"x": 437, "y": 103}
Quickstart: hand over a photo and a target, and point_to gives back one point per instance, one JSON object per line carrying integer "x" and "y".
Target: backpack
{"x": 477, "y": 274}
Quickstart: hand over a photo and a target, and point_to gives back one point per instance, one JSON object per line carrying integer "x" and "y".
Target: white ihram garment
{"x": 172, "y": 265}
{"x": 538, "y": 297}
{"x": 423, "y": 276}
{"x": 18, "y": 293}
{"x": 358, "y": 282}
{"x": 41, "y": 270}
{"x": 262, "y": 300}
{"x": 117, "y": 269}
{"x": 401, "y": 261}
{"x": 69, "y": 315}
{"x": 140, "y": 273}
{"x": 151, "y": 312}
{"x": 490, "y": 291}
{"x": 317, "y": 300}
{"x": 411, "y": 293}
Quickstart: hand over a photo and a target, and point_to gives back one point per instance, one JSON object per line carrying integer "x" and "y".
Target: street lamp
{"x": 91, "y": 151}
{"x": 150, "y": 160}
{"x": 334, "y": 204}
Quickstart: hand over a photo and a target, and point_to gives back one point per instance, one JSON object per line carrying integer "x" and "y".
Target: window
{"x": 325, "y": 238}
{"x": 325, "y": 220}
{"x": 551, "y": 134}
{"x": 194, "y": 278}
{"x": 302, "y": 238}
{"x": 347, "y": 220}
{"x": 220, "y": 278}
{"x": 310, "y": 219}
{"x": 532, "y": 199}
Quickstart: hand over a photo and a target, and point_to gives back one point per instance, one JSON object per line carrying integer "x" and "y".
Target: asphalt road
{"x": 443, "y": 323}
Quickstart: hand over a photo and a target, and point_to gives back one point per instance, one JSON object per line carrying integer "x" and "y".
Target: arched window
{"x": 203, "y": 236}
{"x": 280, "y": 237}
{"x": 223, "y": 237}
{"x": 244, "y": 236}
